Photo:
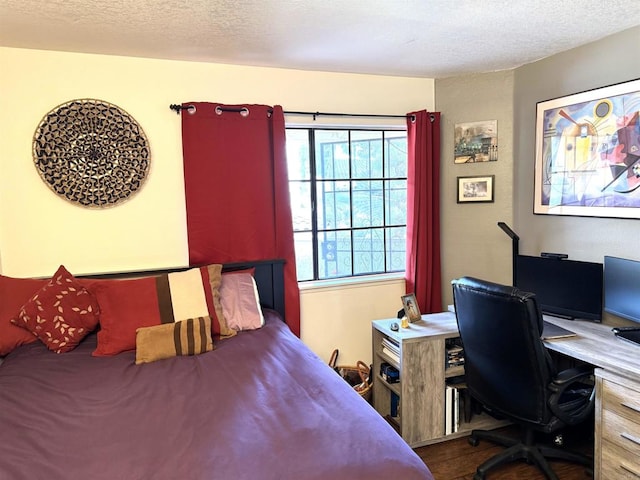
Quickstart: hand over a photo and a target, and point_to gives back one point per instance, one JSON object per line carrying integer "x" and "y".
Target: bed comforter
{"x": 259, "y": 406}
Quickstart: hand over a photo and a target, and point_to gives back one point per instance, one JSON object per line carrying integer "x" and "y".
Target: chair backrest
{"x": 507, "y": 367}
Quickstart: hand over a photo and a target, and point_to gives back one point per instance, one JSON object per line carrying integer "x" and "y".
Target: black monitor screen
{"x": 565, "y": 288}
{"x": 622, "y": 287}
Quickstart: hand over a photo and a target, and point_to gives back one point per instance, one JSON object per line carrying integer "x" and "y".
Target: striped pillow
{"x": 188, "y": 337}
{"x": 126, "y": 305}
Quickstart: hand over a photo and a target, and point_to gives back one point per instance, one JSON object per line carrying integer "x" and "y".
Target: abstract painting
{"x": 588, "y": 153}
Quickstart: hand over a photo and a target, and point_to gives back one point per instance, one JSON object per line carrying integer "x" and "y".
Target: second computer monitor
{"x": 565, "y": 288}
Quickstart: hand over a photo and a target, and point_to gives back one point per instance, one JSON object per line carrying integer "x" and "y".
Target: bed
{"x": 260, "y": 405}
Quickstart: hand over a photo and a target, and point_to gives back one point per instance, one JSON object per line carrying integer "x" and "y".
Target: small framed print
{"x": 476, "y": 189}
{"x": 411, "y": 309}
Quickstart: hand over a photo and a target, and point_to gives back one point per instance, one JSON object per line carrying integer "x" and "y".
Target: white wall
{"x": 39, "y": 230}
{"x": 346, "y": 311}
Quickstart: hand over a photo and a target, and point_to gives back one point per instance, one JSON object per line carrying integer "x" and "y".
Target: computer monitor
{"x": 564, "y": 288}
{"x": 622, "y": 287}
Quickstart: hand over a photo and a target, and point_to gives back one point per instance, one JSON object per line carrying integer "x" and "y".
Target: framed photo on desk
{"x": 411, "y": 309}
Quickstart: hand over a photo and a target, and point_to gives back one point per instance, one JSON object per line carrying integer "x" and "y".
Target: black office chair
{"x": 510, "y": 373}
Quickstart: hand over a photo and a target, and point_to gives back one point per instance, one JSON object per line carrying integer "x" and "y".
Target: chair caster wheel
{"x": 473, "y": 442}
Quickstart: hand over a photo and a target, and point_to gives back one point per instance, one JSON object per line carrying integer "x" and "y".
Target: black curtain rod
{"x": 333, "y": 114}
{"x": 179, "y": 108}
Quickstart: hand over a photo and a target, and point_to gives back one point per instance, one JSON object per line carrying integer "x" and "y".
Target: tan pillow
{"x": 186, "y": 337}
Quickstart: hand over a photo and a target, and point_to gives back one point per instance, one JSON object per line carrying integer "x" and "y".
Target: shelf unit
{"x": 423, "y": 376}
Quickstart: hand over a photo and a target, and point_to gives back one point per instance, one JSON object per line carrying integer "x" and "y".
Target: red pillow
{"x": 14, "y": 292}
{"x": 61, "y": 313}
{"x": 126, "y": 305}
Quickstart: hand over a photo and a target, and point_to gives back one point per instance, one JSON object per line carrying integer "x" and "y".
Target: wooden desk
{"x": 596, "y": 344}
{"x": 617, "y": 413}
{"x": 617, "y": 362}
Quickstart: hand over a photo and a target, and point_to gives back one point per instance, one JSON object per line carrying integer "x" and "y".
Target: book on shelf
{"x": 448, "y": 406}
{"x": 391, "y": 354}
{"x": 456, "y": 409}
{"x": 454, "y": 402}
{"x": 394, "y": 347}
{"x": 454, "y": 353}
{"x": 394, "y": 409}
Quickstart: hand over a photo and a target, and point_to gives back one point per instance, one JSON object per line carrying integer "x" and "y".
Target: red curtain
{"x": 423, "y": 210}
{"x": 237, "y": 191}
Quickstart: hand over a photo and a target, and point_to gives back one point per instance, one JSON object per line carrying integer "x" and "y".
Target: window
{"x": 349, "y": 201}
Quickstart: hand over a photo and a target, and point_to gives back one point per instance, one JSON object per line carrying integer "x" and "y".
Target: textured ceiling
{"x": 424, "y": 38}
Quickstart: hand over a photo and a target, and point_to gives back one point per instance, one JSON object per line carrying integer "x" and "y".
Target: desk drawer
{"x": 617, "y": 464}
{"x": 622, "y": 400}
{"x": 620, "y": 430}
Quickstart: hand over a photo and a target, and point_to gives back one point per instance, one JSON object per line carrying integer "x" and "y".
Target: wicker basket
{"x": 358, "y": 376}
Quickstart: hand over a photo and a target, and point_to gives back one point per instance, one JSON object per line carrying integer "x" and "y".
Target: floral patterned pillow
{"x": 61, "y": 313}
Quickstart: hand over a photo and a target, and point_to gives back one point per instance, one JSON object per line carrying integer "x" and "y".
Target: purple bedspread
{"x": 260, "y": 406}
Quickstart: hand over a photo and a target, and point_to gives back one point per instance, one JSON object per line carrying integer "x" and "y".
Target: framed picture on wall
{"x": 476, "y": 142}
{"x": 588, "y": 153}
{"x": 477, "y": 189}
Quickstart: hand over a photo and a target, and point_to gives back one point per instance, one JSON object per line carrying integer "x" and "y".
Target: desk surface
{"x": 594, "y": 343}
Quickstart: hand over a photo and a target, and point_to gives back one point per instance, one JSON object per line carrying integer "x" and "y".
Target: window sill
{"x": 348, "y": 282}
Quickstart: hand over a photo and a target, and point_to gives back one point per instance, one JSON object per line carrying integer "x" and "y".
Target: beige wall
{"x": 611, "y": 60}
{"x": 472, "y": 244}
{"x": 39, "y": 231}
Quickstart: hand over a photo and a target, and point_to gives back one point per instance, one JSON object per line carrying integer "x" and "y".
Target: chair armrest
{"x": 573, "y": 394}
{"x": 569, "y": 376}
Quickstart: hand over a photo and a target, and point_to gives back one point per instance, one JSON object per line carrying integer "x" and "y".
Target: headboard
{"x": 269, "y": 275}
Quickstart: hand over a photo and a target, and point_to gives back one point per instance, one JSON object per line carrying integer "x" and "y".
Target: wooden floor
{"x": 458, "y": 460}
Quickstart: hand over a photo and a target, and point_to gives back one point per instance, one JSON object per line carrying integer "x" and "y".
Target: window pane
{"x": 298, "y": 154}
{"x": 396, "y": 154}
{"x": 366, "y": 154}
{"x": 304, "y": 255}
{"x": 357, "y": 179}
{"x": 332, "y": 154}
{"x": 335, "y": 254}
{"x": 333, "y": 205}
{"x": 368, "y": 204}
{"x": 396, "y": 196}
{"x": 300, "y": 193}
{"x": 396, "y": 244}
{"x": 368, "y": 251}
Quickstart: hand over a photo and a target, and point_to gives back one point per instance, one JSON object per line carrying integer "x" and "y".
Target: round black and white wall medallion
{"x": 91, "y": 153}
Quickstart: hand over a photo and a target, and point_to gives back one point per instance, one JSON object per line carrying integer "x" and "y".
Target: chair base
{"x": 525, "y": 449}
